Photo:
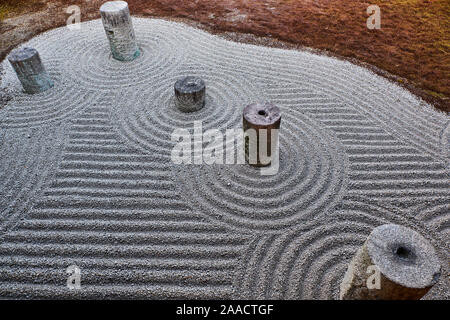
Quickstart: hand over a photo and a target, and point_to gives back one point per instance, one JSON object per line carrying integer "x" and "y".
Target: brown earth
{"x": 411, "y": 48}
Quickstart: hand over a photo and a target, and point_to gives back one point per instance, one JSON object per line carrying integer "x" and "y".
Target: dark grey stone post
{"x": 30, "y": 70}
{"x": 404, "y": 262}
{"x": 119, "y": 30}
{"x": 190, "y": 94}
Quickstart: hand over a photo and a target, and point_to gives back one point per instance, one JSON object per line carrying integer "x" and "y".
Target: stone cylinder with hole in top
{"x": 30, "y": 70}
{"x": 119, "y": 30}
{"x": 394, "y": 263}
{"x": 261, "y": 143}
{"x": 190, "y": 94}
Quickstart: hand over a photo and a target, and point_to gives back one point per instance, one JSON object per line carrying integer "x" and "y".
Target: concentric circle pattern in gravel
{"x": 86, "y": 175}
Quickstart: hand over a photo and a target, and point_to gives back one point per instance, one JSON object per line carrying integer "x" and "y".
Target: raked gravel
{"x": 86, "y": 176}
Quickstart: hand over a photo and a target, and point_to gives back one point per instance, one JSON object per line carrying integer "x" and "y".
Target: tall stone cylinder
{"x": 119, "y": 30}
{"x": 30, "y": 70}
{"x": 395, "y": 263}
{"x": 261, "y": 142}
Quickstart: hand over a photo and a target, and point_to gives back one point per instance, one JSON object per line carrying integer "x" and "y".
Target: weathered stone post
{"x": 30, "y": 70}
{"x": 260, "y": 143}
{"x": 119, "y": 30}
{"x": 395, "y": 263}
{"x": 190, "y": 94}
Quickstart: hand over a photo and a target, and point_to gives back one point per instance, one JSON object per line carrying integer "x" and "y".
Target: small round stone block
{"x": 28, "y": 66}
{"x": 260, "y": 116}
{"x": 190, "y": 94}
{"x": 407, "y": 262}
{"x": 119, "y": 30}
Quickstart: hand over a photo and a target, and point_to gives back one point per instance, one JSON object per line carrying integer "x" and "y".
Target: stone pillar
{"x": 119, "y": 30}
{"x": 30, "y": 70}
{"x": 395, "y": 263}
{"x": 190, "y": 94}
{"x": 260, "y": 116}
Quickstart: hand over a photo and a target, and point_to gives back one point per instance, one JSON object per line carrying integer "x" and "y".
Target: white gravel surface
{"x": 86, "y": 176}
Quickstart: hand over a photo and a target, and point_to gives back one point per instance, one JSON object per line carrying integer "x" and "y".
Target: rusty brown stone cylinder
{"x": 260, "y": 143}
{"x": 395, "y": 263}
